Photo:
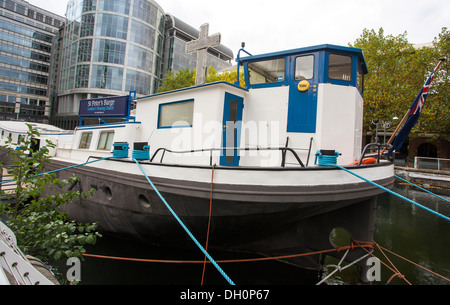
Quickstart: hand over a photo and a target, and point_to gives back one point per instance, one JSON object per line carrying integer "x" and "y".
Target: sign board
{"x": 116, "y": 106}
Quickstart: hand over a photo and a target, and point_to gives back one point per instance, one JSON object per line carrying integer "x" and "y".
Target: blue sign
{"x": 105, "y": 107}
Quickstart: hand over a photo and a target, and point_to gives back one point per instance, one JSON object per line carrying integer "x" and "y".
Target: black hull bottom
{"x": 131, "y": 209}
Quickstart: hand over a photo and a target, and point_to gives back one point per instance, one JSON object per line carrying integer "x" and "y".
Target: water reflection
{"x": 401, "y": 227}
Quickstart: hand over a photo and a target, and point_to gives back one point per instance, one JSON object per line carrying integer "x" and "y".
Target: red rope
{"x": 209, "y": 223}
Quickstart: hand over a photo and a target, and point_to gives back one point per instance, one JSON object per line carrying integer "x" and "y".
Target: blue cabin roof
{"x": 325, "y": 63}
{"x": 324, "y": 47}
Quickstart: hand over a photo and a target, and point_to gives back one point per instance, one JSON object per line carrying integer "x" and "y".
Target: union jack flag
{"x": 418, "y": 103}
{"x": 414, "y": 111}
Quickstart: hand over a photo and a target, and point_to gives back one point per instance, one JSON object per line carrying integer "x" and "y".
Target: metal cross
{"x": 201, "y": 46}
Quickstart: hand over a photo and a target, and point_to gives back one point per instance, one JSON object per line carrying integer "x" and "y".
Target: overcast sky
{"x": 274, "y": 25}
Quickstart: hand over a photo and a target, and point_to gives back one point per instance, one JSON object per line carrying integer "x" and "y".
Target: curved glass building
{"x": 108, "y": 48}
{"x": 112, "y": 47}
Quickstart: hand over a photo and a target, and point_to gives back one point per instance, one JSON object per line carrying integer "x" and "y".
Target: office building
{"x": 26, "y": 34}
{"x": 113, "y": 47}
{"x": 101, "y": 48}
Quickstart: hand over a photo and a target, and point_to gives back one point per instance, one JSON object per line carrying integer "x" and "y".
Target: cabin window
{"x": 360, "y": 78}
{"x": 304, "y": 67}
{"x": 340, "y": 67}
{"x": 267, "y": 71}
{"x": 106, "y": 140}
{"x": 85, "y": 141}
{"x": 177, "y": 114}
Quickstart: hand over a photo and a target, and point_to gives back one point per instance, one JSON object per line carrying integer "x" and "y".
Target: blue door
{"x": 303, "y": 86}
{"x": 231, "y": 132}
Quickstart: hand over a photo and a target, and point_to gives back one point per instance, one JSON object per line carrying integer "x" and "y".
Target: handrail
{"x": 164, "y": 150}
{"x": 378, "y": 145}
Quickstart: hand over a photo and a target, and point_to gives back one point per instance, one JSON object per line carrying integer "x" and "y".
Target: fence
{"x": 431, "y": 163}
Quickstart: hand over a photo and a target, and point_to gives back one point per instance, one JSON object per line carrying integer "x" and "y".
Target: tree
{"x": 397, "y": 71}
{"x": 186, "y": 78}
{"x": 41, "y": 229}
{"x": 181, "y": 79}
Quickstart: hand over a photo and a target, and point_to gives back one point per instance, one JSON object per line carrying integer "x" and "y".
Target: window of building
{"x": 106, "y": 77}
{"x": 340, "y": 67}
{"x": 146, "y": 11}
{"x": 177, "y": 114}
{"x": 82, "y": 80}
{"x": 140, "y": 58}
{"x": 267, "y": 71}
{"x": 106, "y": 140}
{"x": 112, "y": 26}
{"x": 304, "y": 67}
{"x": 117, "y": 6}
{"x": 138, "y": 81}
{"x": 85, "y": 50}
{"x": 109, "y": 51}
{"x": 85, "y": 141}
{"x": 143, "y": 34}
{"x": 87, "y": 25}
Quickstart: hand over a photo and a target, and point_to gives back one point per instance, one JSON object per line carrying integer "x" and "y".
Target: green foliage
{"x": 186, "y": 78}
{"x": 181, "y": 79}
{"x": 397, "y": 72}
{"x": 41, "y": 229}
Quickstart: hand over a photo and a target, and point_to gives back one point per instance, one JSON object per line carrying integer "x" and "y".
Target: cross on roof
{"x": 201, "y": 46}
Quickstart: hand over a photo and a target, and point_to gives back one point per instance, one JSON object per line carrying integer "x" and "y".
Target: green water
{"x": 414, "y": 234}
{"x": 401, "y": 227}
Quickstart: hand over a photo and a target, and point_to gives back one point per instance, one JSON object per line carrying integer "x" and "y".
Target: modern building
{"x": 177, "y": 34}
{"x": 26, "y": 34}
{"x": 112, "y": 47}
{"x": 101, "y": 48}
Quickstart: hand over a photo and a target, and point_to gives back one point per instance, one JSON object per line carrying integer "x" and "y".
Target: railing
{"x": 224, "y": 149}
{"x": 380, "y": 149}
{"x": 431, "y": 163}
{"x": 7, "y": 187}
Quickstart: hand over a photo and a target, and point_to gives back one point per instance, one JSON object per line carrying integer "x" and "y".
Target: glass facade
{"x": 109, "y": 47}
{"x": 26, "y": 35}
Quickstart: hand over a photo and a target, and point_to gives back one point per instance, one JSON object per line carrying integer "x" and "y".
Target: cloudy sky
{"x": 274, "y": 25}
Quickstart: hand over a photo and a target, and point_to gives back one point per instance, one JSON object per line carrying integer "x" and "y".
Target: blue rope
{"x": 61, "y": 169}
{"x": 326, "y": 160}
{"x": 395, "y": 194}
{"x": 422, "y": 188}
{"x": 184, "y": 227}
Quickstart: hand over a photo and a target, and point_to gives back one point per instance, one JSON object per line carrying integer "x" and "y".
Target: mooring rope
{"x": 209, "y": 222}
{"x": 394, "y": 193}
{"x": 184, "y": 227}
{"x": 421, "y": 188}
{"x": 61, "y": 169}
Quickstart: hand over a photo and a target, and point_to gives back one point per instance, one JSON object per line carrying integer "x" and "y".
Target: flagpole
{"x": 409, "y": 111}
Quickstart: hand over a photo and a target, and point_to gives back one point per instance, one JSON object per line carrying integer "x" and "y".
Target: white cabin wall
{"x": 206, "y": 130}
{"x": 337, "y": 125}
{"x": 264, "y": 125}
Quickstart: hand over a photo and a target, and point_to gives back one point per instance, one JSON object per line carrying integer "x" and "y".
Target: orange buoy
{"x": 365, "y": 161}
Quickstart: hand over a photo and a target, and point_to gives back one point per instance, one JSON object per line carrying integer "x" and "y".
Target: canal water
{"x": 405, "y": 229}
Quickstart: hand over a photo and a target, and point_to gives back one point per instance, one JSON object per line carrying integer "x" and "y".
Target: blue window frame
{"x": 176, "y": 114}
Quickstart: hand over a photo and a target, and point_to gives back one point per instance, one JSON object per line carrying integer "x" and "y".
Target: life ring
{"x": 365, "y": 161}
